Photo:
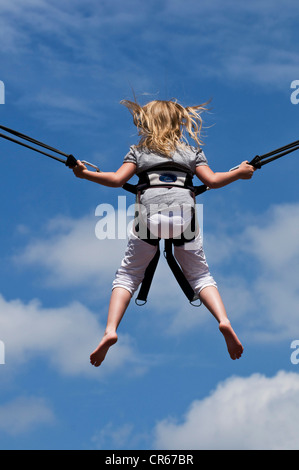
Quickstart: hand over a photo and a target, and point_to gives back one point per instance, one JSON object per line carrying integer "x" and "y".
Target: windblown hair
{"x": 162, "y": 124}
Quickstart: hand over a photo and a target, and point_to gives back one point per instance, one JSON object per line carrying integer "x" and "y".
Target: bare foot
{"x": 99, "y": 354}
{"x": 234, "y": 346}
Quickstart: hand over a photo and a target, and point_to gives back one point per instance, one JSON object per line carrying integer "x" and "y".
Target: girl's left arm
{"x": 218, "y": 180}
{"x": 112, "y": 179}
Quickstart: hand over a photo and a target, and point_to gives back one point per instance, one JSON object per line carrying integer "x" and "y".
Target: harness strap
{"x": 167, "y": 176}
{"x": 174, "y": 176}
{"x": 178, "y": 273}
{"x": 173, "y": 265}
{"x": 132, "y": 188}
{"x": 147, "y": 280}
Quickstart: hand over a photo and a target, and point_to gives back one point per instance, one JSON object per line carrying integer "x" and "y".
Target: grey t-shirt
{"x": 159, "y": 198}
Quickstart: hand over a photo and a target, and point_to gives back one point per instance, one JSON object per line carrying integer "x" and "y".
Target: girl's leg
{"x": 211, "y": 298}
{"x": 120, "y": 299}
{"x": 193, "y": 263}
{"x": 128, "y": 277}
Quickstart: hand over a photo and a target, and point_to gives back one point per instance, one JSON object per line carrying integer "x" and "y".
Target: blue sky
{"x": 169, "y": 382}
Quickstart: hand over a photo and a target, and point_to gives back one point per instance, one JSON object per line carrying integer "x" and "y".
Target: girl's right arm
{"x": 218, "y": 180}
{"x": 112, "y": 179}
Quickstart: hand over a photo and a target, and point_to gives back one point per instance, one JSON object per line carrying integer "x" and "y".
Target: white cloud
{"x": 275, "y": 247}
{"x": 253, "y": 413}
{"x": 72, "y": 255}
{"x": 275, "y": 241}
{"x": 64, "y": 337}
{"x": 23, "y": 414}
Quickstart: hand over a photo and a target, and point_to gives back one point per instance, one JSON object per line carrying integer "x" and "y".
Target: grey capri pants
{"x": 139, "y": 253}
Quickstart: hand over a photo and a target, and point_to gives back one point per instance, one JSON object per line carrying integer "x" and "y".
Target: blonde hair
{"x": 161, "y": 124}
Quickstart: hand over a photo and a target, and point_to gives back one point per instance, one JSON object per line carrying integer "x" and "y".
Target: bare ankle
{"x": 110, "y": 332}
{"x": 224, "y": 322}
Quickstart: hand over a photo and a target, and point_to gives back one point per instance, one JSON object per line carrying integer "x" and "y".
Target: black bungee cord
{"x": 70, "y": 161}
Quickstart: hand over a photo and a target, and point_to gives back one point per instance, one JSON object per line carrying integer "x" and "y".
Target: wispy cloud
{"x": 113, "y": 437}
{"x": 24, "y": 414}
{"x": 49, "y": 43}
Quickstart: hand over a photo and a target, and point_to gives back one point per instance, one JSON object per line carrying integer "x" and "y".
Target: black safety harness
{"x": 164, "y": 176}
{"x": 158, "y": 176}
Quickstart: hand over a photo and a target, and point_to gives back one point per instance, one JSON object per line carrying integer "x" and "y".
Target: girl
{"x": 162, "y": 126}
